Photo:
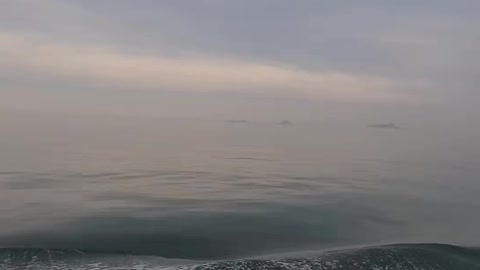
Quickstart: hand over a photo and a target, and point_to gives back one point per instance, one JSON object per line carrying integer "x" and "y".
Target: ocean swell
{"x": 392, "y": 257}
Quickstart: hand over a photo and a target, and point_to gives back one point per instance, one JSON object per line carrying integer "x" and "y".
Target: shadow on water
{"x": 203, "y": 235}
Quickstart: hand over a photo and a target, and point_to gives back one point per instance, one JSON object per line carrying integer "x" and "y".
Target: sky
{"x": 372, "y": 60}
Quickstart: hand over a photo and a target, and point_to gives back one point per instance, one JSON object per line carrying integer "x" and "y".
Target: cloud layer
{"x": 101, "y": 66}
{"x": 318, "y": 51}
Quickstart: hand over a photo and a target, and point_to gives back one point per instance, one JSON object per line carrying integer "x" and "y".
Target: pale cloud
{"x": 182, "y": 57}
{"x": 33, "y": 54}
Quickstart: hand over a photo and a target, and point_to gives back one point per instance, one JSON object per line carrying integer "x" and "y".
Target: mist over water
{"x": 243, "y": 135}
{"x": 198, "y": 189}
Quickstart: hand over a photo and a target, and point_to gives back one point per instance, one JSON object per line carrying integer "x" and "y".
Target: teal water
{"x": 414, "y": 257}
{"x": 216, "y": 190}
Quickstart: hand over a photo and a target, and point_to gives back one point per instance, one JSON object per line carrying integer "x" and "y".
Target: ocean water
{"x": 81, "y": 192}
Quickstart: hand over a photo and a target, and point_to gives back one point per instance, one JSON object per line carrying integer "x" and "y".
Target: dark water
{"x": 414, "y": 257}
{"x": 210, "y": 190}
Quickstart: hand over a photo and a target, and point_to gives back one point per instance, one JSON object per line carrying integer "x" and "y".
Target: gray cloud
{"x": 371, "y": 52}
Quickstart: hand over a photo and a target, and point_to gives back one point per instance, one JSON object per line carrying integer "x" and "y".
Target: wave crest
{"x": 392, "y": 257}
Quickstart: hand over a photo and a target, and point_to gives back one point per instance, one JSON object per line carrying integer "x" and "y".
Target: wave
{"x": 391, "y": 257}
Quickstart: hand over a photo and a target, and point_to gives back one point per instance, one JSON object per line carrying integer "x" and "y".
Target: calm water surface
{"x": 212, "y": 189}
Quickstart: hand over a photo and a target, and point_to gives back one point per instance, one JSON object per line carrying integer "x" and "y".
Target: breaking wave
{"x": 391, "y": 257}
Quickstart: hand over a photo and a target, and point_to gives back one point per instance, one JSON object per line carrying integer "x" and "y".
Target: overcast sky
{"x": 307, "y": 59}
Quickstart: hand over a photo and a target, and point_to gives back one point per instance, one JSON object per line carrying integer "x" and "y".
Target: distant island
{"x": 386, "y": 125}
{"x": 285, "y": 122}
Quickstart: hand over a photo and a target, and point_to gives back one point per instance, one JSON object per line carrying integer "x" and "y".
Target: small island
{"x": 285, "y": 123}
{"x": 386, "y": 125}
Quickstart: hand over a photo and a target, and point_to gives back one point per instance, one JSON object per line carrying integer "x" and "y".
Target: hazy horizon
{"x": 220, "y": 129}
{"x": 372, "y": 61}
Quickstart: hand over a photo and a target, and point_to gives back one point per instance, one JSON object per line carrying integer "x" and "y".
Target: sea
{"x": 124, "y": 192}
